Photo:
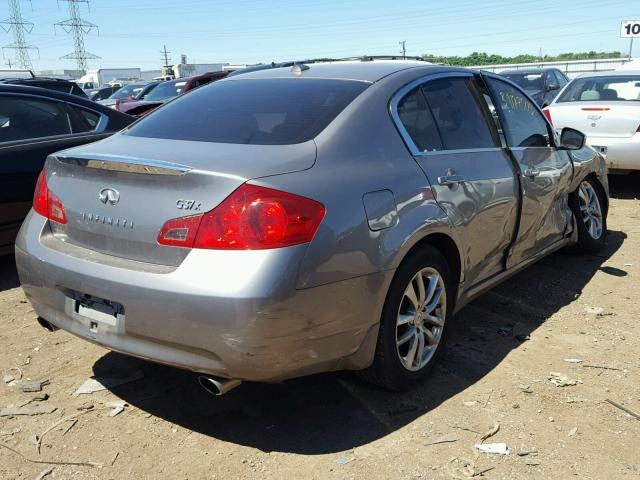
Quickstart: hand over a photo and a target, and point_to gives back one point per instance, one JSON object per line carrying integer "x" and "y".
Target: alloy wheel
{"x": 590, "y": 209}
{"x": 421, "y": 318}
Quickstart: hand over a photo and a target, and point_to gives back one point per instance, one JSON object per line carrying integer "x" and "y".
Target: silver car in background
{"x": 606, "y": 107}
{"x": 297, "y": 220}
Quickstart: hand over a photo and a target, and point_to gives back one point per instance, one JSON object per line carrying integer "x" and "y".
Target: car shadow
{"x": 8, "y": 273}
{"x": 625, "y": 186}
{"x": 335, "y": 412}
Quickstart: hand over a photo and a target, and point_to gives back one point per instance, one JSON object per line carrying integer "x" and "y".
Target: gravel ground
{"x": 503, "y": 348}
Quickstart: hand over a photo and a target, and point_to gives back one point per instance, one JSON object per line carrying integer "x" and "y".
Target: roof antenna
{"x": 298, "y": 68}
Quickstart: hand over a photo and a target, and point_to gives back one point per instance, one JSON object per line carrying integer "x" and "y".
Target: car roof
{"x": 528, "y": 70}
{"x": 36, "y": 80}
{"x": 133, "y": 84}
{"x": 366, "y": 71}
{"x": 67, "y": 97}
{"x": 611, "y": 73}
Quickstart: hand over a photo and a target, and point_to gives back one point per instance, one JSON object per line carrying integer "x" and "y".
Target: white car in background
{"x": 606, "y": 107}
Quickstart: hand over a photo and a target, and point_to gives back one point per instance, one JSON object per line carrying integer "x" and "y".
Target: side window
{"x": 83, "y": 120}
{"x": 524, "y": 125}
{"x": 562, "y": 81}
{"x": 25, "y": 118}
{"x": 550, "y": 78}
{"x": 493, "y": 111}
{"x": 418, "y": 121}
{"x": 458, "y": 114}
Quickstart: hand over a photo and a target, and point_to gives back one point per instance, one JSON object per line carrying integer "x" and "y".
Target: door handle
{"x": 449, "y": 180}
{"x": 531, "y": 172}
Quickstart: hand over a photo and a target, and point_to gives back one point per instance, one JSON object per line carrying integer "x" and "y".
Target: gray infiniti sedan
{"x": 297, "y": 220}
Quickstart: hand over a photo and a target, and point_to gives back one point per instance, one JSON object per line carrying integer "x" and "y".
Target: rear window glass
{"x": 24, "y": 118}
{"x": 260, "y": 112}
{"x": 606, "y": 89}
{"x": 167, "y": 90}
{"x": 127, "y": 91}
{"x": 458, "y": 114}
{"x": 418, "y": 121}
{"x": 527, "y": 81}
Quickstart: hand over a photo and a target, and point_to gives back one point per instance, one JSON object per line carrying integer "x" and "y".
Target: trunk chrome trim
{"x": 125, "y": 164}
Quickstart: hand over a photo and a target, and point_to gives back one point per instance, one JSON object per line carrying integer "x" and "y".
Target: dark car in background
{"x": 57, "y": 84}
{"x": 542, "y": 84}
{"x": 35, "y": 122}
{"x": 167, "y": 91}
{"x": 97, "y": 94}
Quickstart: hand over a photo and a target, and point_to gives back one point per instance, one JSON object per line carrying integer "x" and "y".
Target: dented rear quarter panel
{"x": 352, "y": 162}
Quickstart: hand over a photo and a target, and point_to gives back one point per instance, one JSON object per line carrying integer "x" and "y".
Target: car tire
{"x": 413, "y": 323}
{"x": 588, "y": 206}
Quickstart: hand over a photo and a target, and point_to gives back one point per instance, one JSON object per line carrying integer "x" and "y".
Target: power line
{"x": 78, "y": 27}
{"x": 20, "y": 27}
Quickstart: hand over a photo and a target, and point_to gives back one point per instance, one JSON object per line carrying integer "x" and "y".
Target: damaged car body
{"x": 306, "y": 219}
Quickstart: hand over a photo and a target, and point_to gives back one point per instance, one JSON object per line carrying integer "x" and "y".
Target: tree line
{"x": 482, "y": 58}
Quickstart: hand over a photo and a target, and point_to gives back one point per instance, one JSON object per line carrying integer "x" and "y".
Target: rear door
{"x": 447, "y": 127}
{"x": 544, "y": 171}
{"x": 30, "y": 129}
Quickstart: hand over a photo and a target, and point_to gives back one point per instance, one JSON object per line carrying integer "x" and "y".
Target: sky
{"x": 131, "y": 33}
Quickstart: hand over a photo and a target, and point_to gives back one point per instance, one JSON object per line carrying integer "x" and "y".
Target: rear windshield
{"x": 260, "y": 112}
{"x": 607, "y": 89}
{"x": 527, "y": 81}
{"x": 167, "y": 90}
{"x": 127, "y": 91}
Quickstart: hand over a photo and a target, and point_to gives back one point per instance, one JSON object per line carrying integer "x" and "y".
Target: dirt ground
{"x": 502, "y": 350}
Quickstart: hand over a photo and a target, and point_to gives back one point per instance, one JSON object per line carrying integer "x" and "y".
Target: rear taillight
{"x": 251, "y": 218}
{"x": 547, "y": 114}
{"x": 46, "y": 203}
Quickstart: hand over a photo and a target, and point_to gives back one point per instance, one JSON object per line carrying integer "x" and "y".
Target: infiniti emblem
{"x": 110, "y": 195}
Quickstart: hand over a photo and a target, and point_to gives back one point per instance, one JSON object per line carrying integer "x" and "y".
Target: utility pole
{"x": 404, "y": 49}
{"x": 78, "y": 27}
{"x": 165, "y": 56}
{"x": 630, "y": 48}
{"x": 19, "y": 26}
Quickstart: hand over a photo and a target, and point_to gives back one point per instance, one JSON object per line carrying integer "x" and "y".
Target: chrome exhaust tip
{"x": 218, "y": 386}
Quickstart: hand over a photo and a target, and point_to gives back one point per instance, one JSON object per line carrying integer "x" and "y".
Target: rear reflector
{"x": 180, "y": 232}
{"x": 547, "y": 114}
{"x": 251, "y": 218}
{"x": 46, "y": 203}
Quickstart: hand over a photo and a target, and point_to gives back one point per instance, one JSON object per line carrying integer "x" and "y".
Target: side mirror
{"x": 572, "y": 139}
{"x": 552, "y": 86}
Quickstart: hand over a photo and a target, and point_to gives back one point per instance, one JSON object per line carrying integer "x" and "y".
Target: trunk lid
{"x": 118, "y": 193}
{"x": 598, "y": 119}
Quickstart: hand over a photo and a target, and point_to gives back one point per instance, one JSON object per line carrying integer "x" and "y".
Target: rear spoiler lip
{"x": 124, "y": 164}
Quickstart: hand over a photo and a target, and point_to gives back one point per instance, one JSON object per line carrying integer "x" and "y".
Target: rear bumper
{"x": 619, "y": 153}
{"x": 231, "y": 314}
